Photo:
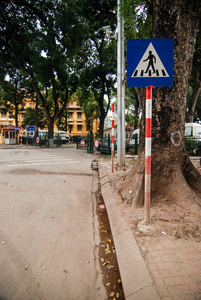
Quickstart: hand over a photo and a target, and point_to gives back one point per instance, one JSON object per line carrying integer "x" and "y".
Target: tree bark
{"x": 191, "y": 109}
{"x": 16, "y": 104}
{"x": 36, "y": 117}
{"x": 171, "y": 168}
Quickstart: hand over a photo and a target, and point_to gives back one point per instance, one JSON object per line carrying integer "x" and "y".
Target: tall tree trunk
{"x": 101, "y": 126}
{"x": 136, "y": 118}
{"x": 16, "y": 104}
{"x": 191, "y": 109}
{"x": 103, "y": 114}
{"x": 36, "y": 117}
{"x": 176, "y": 19}
{"x": 50, "y": 131}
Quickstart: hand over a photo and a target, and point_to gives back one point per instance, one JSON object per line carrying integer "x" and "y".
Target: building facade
{"x": 75, "y": 120}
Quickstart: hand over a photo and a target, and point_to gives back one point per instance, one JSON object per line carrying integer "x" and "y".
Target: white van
{"x": 132, "y": 140}
{"x": 193, "y": 131}
{"x": 42, "y": 133}
{"x": 63, "y": 135}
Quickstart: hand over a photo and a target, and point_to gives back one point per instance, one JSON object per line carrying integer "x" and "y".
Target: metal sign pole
{"x": 120, "y": 89}
{"x": 148, "y": 136}
{"x": 112, "y": 147}
{"x": 123, "y": 99}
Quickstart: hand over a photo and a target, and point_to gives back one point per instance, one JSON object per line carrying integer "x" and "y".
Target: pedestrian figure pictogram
{"x": 152, "y": 60}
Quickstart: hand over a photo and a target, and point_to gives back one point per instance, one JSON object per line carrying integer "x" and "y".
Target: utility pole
{"x": 120, "y": 89}
{"x": 121, "y": 141}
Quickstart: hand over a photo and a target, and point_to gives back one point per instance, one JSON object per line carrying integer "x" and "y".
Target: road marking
{"x": 35, "y": 160}
{"x": 43, "y": 163}
{"x": 14, "y": 158}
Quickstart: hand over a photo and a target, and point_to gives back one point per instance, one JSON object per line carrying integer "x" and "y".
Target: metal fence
{"x": 87, "y": 143}
{"x": 43, "y": 142}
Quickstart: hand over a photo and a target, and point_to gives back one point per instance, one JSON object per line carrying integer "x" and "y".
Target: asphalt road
{"x": 48, "y": 228}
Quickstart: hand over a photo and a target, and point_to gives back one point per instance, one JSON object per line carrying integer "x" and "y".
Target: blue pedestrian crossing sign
{"x": 150, "y": 62}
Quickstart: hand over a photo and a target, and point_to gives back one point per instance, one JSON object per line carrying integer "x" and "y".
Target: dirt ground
{"x": 168, "y": 216}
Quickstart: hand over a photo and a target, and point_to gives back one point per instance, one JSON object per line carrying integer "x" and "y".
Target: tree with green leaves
{"x": 41, "y": 39}
{"x": 172, "y": 171}
{"x": 96, "y": 64}
{"x": 29, "y": 118}
{"x": 132, "y": 107}
{"x": 89, "y": 106}
{"x": 13, "y": 93}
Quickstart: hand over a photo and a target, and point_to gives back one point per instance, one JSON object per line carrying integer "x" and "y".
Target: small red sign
{"x": 96, "y": 143}
{"x": 82, "y": 142}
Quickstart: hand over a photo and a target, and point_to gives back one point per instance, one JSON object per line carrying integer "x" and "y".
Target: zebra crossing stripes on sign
{"x": 150, "y": 62}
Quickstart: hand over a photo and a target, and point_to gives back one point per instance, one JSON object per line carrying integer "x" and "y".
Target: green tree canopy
{"x": 40, "y": 38}
{"x": 89, "y": 105}
{"x": 96, "y": 64}
{"x": 29, "y": 118}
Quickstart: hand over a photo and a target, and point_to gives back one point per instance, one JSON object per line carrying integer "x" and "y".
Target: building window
{"x": 70, "y": 115}
{"x": 79, "y": 128}
{"x": 79, "y": 116}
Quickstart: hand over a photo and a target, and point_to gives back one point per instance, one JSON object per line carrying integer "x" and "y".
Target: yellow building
{"x": 76, "y": 120}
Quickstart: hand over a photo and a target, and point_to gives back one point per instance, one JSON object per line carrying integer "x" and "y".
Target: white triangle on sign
{"x": 150, "y": 65}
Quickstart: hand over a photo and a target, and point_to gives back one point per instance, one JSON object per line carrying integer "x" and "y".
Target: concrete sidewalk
{"x": 166, "y": 268}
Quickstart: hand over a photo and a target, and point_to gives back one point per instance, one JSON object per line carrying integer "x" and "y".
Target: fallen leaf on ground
{"x": 107, "y": 250}
{"x": 108, "y": 284}
{"x": 112, "y": 294}
{"x": 3, "y": 242}
{"x": 105, "y": 263}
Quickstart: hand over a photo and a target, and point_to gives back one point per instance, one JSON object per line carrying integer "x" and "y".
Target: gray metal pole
{"x": 120, "y": 90}
{"x": 123, "y": 99}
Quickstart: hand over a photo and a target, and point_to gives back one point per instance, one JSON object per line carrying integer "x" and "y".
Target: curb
{"x": 136, "y": 279}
